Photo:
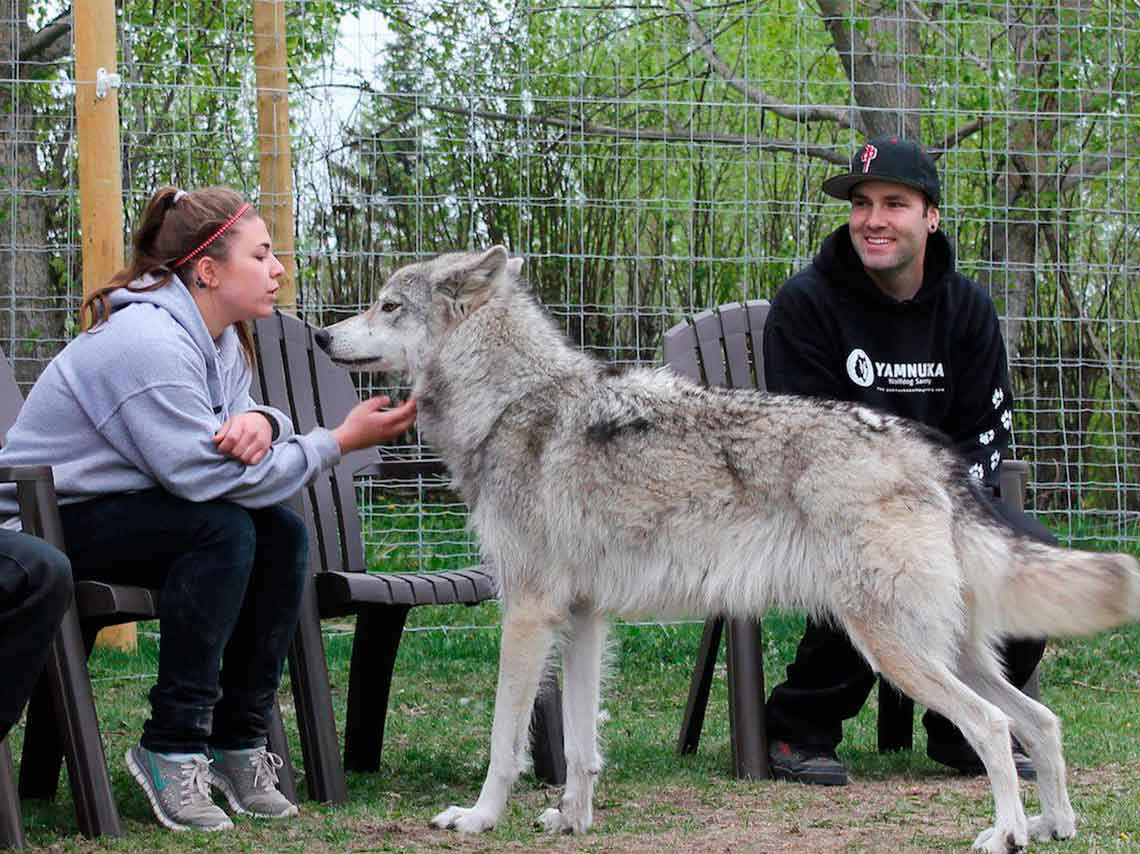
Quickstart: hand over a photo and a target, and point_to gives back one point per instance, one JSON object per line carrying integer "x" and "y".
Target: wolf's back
{"x": 1038, "y": 590}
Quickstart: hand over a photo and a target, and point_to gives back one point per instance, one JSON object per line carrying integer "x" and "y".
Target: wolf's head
{"x": 418, "y": 305}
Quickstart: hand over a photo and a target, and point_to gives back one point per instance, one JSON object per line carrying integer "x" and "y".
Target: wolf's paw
{"x": 464, "y": 820}
{"x": 998, "y": 841}
{"x": 1047, "y": 829}
{"x": 556, "y": 820}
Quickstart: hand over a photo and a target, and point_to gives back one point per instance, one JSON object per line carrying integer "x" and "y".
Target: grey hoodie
{"x": 134, "y": 405}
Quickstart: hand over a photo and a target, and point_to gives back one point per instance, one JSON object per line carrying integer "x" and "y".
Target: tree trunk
{"x": 31, "y": 305}
{"x": 875, "y": 46}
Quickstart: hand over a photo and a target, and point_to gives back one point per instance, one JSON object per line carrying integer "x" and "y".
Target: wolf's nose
{"x": 323, "y": 339}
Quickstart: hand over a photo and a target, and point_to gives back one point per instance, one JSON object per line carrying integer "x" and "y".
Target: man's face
{"x": 889, "y": 228}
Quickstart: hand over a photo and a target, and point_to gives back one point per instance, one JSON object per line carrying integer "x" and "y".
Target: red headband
{"x": 221, "y": 230}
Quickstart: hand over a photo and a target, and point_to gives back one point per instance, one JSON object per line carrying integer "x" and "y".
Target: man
{"x": 881, "y": 317}
{"x": 35, "y": 590}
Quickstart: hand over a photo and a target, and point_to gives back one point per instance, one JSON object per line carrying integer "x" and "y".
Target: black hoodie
{"x": 938, "y": 358}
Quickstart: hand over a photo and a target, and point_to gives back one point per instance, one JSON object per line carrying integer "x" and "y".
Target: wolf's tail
{"x": 1042, "y": 590}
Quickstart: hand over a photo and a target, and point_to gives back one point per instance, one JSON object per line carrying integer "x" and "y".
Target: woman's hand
{"x": 368, "y": 424}
{"x": 245, "y": 437}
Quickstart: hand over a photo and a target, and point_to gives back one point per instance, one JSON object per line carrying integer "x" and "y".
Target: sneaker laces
{"x": 194, "y": 777}
{"x": 265, "y": 765}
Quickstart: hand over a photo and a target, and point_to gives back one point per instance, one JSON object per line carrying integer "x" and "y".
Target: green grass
{"x": 436, "y": 750}
{"x": 648, "y": 798}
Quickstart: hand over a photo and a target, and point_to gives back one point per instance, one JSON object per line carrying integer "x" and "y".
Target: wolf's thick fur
{"x": 598, "y": 492}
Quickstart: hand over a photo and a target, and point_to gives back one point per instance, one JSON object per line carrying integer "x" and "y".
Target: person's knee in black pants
{"x": 35, "y": 592}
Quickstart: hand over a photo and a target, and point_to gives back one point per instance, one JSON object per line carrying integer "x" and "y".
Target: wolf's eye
{"x": 389, "y": 307}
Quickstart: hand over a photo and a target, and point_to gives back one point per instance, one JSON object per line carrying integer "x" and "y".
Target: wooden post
{"x": 100, "y": 173}
{"x": 276, "y": 163}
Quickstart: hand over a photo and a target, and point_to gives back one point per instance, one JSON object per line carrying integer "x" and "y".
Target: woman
{"x": 170, "y": 476}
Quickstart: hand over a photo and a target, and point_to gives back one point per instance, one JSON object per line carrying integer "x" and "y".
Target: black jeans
{"x": 35, "y": 590}
{"x": 230, "y": 581}
{"x": 829, "y": 681}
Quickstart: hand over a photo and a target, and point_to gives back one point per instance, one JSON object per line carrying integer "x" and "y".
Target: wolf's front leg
{"x": 581, "y": 671}
{"x": 528, "y": 632}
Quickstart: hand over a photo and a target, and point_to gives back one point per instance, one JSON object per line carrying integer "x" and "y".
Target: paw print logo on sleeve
{"x": 995, "y": 458}
{"x": 1007, "y": 420}
{"x": 977, "y": 472}
{"x": 986, "y": 437}
{"x": 998, "y": 397}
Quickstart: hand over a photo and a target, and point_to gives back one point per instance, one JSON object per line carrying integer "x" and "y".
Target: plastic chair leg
{"x": 746, "y": 700}
{"x": 324, "y": 774}
{"x": 699, "y": 687}
{"x": 547, "y": 747}
{"x": 11, "y": 821}
{"x": 279, "y": 744}
{"x": 375, "y": 645}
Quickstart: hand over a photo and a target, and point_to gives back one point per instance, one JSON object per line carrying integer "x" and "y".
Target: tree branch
{"x": 960, "y": 133}
{"x": 821, "y": 152}
{"x": 1091, "y": 167}
{"x": 757, "y": 96}
{"x": 40, "y": 45}
{"x": 916, "y": 10}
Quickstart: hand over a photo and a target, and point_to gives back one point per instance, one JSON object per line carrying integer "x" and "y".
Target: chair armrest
{"x": 1013, "y": 482}
{"x": 18, "y": 474}
{"x": 401, "y": 469}
{"x": 35, "y": 496}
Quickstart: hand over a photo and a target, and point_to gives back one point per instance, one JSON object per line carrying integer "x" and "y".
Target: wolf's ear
{"x": 469, "y": 284}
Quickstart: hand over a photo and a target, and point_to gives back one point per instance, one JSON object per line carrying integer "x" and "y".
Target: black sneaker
{"x": 962, "y": 758}
{"x": 812, "y": 766}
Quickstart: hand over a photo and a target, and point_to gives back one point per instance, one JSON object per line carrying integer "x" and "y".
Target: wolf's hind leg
{"x": 930, "y": 681}
{"x": 581, "y": 671}
{"x": 528, "y": 633}
{"x": 1039, "y": 732}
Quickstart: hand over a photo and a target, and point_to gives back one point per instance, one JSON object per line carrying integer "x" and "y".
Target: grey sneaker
{"x": 179, "y": 792}
{"x": 248, "y": 779}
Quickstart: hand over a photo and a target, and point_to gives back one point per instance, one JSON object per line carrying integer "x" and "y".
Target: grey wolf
{"x": 598, "y": 492}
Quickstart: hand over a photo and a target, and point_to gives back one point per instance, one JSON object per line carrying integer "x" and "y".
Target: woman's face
{"x": 244, "y": 285}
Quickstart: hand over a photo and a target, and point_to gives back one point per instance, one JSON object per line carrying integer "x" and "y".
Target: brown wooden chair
{"x": 11, "y": 826}
{"x": 297, "y": 377}
{"x": 724, "y": 347}
{"x": 62, "y": 720}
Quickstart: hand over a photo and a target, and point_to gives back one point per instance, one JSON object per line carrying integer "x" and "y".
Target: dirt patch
{"x": 897, "y": 815}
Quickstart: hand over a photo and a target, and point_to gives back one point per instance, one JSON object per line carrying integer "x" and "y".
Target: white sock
{"x": 180, "y": 757}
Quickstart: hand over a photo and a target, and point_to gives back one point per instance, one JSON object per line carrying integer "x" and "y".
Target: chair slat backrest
{"x": 710, "y": 340}
{"x": 336, "y": 396}
{"x": 721, "y": 346}
{"x": 679, "y": 347}
{"x": 11, "y": 398}
{"x": 298, "y": 368}
{"x": 296, "y": 377}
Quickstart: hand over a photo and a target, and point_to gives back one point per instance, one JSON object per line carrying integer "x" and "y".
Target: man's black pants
{"x": 829, "y": 681}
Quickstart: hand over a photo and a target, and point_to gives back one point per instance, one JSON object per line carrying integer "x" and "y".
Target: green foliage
{"x": 643, "y": 182}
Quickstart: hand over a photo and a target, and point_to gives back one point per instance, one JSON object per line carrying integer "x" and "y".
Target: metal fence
{"x": 649, "y": 160}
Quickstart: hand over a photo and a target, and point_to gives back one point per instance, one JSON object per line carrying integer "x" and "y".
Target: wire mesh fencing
{"x": 649, "y": 160}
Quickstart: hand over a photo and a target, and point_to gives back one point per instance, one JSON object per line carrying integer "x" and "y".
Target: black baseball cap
{"x": 888, "y": 158}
